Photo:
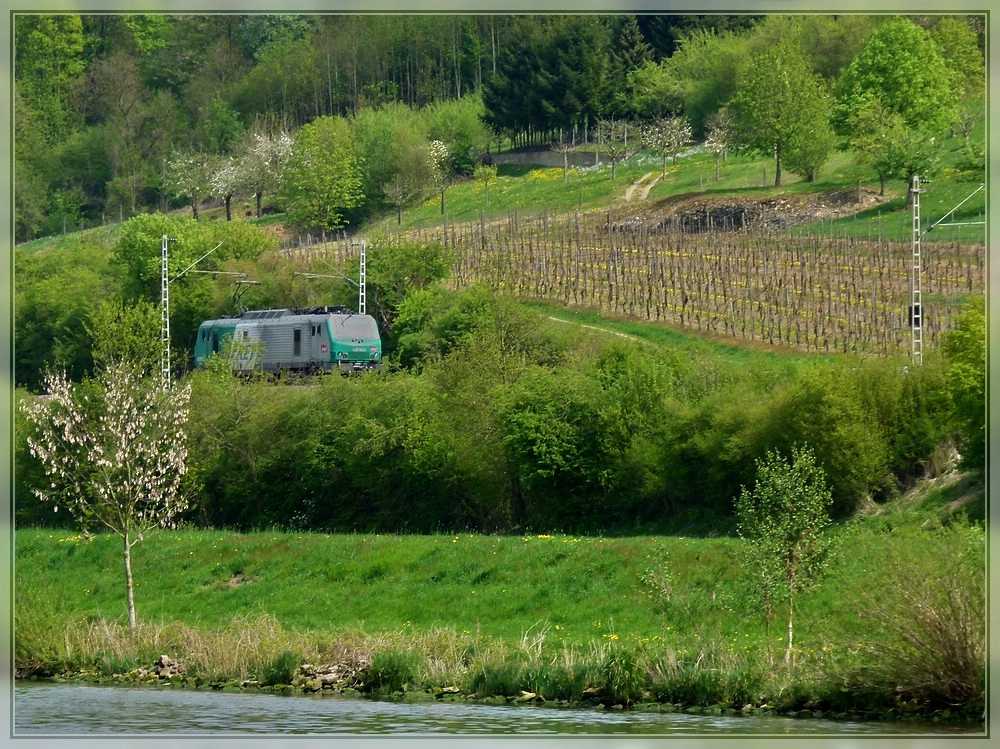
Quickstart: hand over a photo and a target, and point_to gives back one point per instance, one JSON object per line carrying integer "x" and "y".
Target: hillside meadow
{"x": 894, "y": 628}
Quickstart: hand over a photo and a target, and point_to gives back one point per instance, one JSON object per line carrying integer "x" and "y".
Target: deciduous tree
{"x": 116, "y": 460}
{"x": 264, "y": 155}
{"x": 323, "y": 177}
{"x": 965, "y": 349}
{"x": 667, "y": 137}
{"x": 779, "y": 104}
{"x": 612, "y": 136}
{"x": 900, "y": 74}
{"x": 781, "y": 522}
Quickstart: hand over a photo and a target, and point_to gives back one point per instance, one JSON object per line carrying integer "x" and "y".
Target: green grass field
{"x": 467, "y": 607}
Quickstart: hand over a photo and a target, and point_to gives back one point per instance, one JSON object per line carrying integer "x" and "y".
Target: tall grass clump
{"x": 281, "y": 669}
{"x": 708, "y": 678}
{"x": 249, "y": 647}
{"x": 929, "y": 613}
{"x": 391, "y": 671}
{"x": 39, "y": 645}
{"x": 621, "y": 675}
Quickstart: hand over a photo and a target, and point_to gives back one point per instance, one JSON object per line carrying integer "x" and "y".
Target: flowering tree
{"x": 264, "y": 157}
{"x": 613, "y": 137}
{"x": 667, "y": 136}
{"x": 443, "y": 168}
{"x": 228, "y": 179}
{"x": 720, "y": 137}
{"x": 115, "y": 458}
{"x": 189, "y": 175}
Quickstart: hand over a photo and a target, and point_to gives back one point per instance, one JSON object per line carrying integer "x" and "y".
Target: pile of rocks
{"x": 165, "y": 668}
{"x": 348, "y": 674}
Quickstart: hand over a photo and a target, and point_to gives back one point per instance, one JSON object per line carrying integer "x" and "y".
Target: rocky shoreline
{"x": 350, "y": 679}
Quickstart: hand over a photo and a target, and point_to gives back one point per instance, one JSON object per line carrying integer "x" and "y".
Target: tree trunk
{"x": 789, "y": 658}
{"x": 129, "y": 594}
{"x": 229, "y": 214}
{"x": 194, "y": 208}
{"x": 777, "y": 170}
{"x": 260, "y": 198}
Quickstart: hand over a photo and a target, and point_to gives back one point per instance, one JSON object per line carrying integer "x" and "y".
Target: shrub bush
{"x": 390, "y": 672}
{"x": 281, "y": 669}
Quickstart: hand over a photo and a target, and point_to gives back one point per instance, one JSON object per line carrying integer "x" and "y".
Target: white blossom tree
{"x": 613, "y": 138}
{"x": 229, "y": 179}
{"x": 667, "y": 136}
{"x": 719, "y": 138}
{"x": 114, "y": 457}
{"x": 264, "y": 157}
{"x": 189, "y": 175}
{"x": 443, "y": 171}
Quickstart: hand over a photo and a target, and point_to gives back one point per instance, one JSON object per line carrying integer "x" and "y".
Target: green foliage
{"x": 398, "y": 268}
{"x": 781, "y": 522}
{"x": 563, "y": 442}
{"x": 386, "y": 141}
{"x": 705, "y": 66}
{"x": 960, "y": 49}
{"x": 620, "y": 675}
{"x": 323, "y": 178}
{"x": 55, "y": 294}
{"x": 138, "y": 250}
{"x": 282, "y": 669}
{"x": 459, "y": 125}
{"x": 965, "y": 352}
{"x": 902, "y": 68}
{"x": 781, "y": 107}
{"x": 125, "y": 333}
{"x": 653, "y": 91}
{"x": 550, "y": 76}
{"x": 48, "y": 59}
{"x": 657, "y": 578}
{"x": 391, "y": 671}
{"x": 931, "y": 605}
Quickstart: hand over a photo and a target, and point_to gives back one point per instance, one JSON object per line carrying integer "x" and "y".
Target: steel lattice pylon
{"x": 361, "y": 280}
{"x": 164, "y": 314}
{"x": 916, "y": 294}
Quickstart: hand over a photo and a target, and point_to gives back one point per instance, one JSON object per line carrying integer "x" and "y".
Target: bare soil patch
{"x": 700, "y": 212}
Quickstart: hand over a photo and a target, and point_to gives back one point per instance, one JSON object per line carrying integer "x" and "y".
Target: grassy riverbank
{"x": 666, "y": 620}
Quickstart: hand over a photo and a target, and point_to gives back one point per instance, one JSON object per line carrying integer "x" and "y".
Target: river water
{"x": 43, "y": 709}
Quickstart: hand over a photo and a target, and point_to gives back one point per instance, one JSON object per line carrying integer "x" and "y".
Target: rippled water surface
{"x": 47, "y": 708}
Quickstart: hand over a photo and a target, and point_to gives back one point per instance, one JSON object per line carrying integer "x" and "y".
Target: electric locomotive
{"x": 316, "y": 339}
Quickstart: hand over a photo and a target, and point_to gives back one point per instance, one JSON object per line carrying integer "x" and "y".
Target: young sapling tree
{"x": 781, "y": 522}
{"x": 113, "y": 455}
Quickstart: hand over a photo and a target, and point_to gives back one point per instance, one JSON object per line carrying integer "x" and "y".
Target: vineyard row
{"x": 799, "y": 290}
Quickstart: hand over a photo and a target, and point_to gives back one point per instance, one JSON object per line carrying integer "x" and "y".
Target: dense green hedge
{"x": 617, "y": 437}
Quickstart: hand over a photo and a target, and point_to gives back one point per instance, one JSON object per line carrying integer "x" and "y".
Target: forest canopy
{"x": 117, "y": 115}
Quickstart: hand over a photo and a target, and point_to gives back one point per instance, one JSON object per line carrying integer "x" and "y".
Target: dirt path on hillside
{"x": 642, "y": 186}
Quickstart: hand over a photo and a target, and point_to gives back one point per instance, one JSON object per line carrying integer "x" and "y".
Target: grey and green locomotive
{"x": 279, "y": 340}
